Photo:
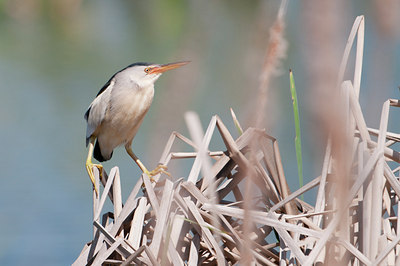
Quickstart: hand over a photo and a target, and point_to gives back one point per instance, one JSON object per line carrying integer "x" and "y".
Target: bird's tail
{"x": 98, "y": 155}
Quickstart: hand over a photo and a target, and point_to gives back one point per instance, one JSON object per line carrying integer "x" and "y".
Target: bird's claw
{"x": 89, "y": 169}
{"x": 158, "y": 170}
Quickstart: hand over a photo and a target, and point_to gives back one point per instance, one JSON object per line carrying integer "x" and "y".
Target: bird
{"x": 118, "y": 110}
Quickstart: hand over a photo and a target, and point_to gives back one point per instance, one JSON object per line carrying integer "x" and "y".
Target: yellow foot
{"x": 89, "y": 169}
{"x": 159, "y": 169}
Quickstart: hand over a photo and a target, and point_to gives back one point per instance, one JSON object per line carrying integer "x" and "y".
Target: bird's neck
{"x": 145, "y": 83}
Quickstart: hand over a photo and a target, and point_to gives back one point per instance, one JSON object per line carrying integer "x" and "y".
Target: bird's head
{"x": 145, "y": 74}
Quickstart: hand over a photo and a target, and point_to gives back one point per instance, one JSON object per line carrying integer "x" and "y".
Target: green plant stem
{"x": 297, "y": 140}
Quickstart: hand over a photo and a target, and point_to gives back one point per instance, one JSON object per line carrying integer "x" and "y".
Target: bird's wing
{"x": 98, "y": 108}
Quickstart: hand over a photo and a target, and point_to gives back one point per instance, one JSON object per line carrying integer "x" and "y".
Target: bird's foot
{"x": 159, "y": 169}
{"x": 89, "y": 169}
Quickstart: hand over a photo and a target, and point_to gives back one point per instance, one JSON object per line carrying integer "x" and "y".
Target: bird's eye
{"x": 147, "y": 69}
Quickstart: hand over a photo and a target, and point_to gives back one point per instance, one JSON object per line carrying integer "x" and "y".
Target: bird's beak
{"x": 162, "y": 68}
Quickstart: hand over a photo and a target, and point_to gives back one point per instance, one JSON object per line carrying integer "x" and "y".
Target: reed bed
{"x": 200, "y": 219}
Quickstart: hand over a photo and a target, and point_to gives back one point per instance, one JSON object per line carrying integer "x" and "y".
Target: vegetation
{"x": 209, "y": 217}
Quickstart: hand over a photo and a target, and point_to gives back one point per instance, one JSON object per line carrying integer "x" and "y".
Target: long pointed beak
{"x": 166, "y": 67}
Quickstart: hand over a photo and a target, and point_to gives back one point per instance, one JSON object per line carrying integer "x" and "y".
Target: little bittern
{"x": 115, "y": 115}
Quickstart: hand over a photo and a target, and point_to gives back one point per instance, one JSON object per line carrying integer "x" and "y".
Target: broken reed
{"x": 176, "y": 221}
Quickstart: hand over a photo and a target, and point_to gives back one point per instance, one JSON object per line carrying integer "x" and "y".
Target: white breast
{"x": 127, "y": 108}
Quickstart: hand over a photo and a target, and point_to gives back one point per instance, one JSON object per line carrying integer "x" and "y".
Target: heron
{"x": 118, "y": 110}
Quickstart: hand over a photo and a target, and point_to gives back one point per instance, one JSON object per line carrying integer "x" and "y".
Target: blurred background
{"x": 56, "y": 55}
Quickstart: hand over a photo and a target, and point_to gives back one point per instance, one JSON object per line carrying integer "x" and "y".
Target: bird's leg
{"x": 90, "y": 165}
{"x": 159, "y": 169}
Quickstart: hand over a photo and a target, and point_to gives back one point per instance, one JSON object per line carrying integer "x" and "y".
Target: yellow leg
{"x": 159, "y": 169}
{"x": 90, "y": 165}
